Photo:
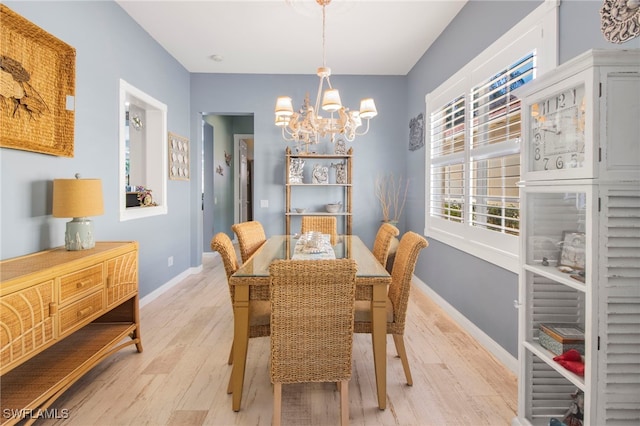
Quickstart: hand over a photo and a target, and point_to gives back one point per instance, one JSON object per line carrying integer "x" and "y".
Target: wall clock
{"x": 557, "y": 136}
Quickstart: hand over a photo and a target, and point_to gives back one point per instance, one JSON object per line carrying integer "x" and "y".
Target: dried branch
{"x": 388, "y": 191}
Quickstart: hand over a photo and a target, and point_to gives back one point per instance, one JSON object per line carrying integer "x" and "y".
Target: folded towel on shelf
{"x": 572, "y": 361}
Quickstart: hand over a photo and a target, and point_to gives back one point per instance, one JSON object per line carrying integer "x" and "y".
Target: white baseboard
{"x": 487, "y": 342}
{"x": 168, "y": 285}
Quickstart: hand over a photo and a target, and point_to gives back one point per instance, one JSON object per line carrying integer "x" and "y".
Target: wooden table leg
{"x": 240, "y": 342}
{"x": 379, "y": 340}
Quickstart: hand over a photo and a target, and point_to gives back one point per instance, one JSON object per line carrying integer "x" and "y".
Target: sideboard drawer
{"x": 26, "y": 323}
{"x": 80, "y": 282}
{"x": 81, "y": 312}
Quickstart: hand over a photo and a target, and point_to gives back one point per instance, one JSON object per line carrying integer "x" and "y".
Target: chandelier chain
{"x": 324, "y": 58}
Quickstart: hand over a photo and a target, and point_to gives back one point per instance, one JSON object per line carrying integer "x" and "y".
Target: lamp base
{"x": 79, "y": 234}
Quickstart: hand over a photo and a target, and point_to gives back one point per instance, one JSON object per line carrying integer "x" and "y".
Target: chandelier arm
{"x": 285, "y": 133}
{"x": 365, "y": 130}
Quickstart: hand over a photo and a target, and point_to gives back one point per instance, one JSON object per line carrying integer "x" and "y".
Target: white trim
{"x": 169, "y": 285}
{"x": 487, "y": 342}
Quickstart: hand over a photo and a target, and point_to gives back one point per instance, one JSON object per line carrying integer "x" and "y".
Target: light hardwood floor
{"x": 181, "y": 377}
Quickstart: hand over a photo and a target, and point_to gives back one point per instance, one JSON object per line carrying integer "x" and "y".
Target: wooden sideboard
{"x": 61, "y": 313}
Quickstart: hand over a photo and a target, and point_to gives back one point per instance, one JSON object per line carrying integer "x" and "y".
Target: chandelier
{"x": 307, "y": 126}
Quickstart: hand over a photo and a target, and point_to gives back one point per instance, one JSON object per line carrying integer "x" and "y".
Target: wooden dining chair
{"x": 323, "y": 224}
{"x": 312, "y": 311}
{"x": 251, "y": 237}
{"x": 259, "y": 310}
{"x": 386, "y": 233}
{"x": 397, "y": 296}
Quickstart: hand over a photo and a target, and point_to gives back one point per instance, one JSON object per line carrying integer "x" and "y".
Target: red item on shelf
{"x": 572, "y": 361}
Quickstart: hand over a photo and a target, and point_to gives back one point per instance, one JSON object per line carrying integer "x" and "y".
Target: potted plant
{"x": 392, "y": 194}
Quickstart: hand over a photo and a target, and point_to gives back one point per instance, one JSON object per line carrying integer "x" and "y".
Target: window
{"x": 472, "y": 198}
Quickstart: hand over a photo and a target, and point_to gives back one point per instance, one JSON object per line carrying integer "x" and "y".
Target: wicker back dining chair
{"x": 323, "y": 224}
{"x": 386, "y": 233}
{"x": 250, "y": 237}
{"x": 397, "y": 296}
{"x": 312, "y": 310}
{"x": 259, "y": 310}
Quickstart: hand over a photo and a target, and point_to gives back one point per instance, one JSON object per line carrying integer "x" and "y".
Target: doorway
{"x": 226, "y": 173}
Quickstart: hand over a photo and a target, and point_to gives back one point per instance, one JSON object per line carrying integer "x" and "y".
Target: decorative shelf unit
{"x": 298, "y": 180}
{"x": 61, "y": 313}
{"x": 580, "y": 237}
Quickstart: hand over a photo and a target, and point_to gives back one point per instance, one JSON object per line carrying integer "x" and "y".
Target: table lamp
{"x": 78, "y": 198}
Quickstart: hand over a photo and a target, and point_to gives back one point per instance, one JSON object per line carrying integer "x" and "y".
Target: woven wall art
{"x": 37, "y": 88}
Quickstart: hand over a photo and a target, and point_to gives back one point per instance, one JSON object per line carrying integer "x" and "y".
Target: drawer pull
{"x": 81, "y": 284}
{"x": 53, "y": 308}
{"x": 109, "y": 281}
{"x": 84, "y": 312}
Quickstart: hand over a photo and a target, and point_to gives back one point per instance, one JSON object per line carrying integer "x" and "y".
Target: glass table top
{"x": 282, "y": 247}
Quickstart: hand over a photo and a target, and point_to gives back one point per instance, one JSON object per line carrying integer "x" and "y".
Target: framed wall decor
{"x": 37, "y": 88}
{"x": 178, "y": 157}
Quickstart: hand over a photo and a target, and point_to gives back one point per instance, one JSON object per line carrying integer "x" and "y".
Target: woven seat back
{"x": 401, "y": 274}
{"x": 312, "y": 308}
{"x": 224, "y": 246}
{"x": 251, "y": 237}
{"x": 323, "y": 224}
{"x": 382, "y": 243}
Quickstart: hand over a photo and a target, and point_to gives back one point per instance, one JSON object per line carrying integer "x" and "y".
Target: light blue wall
{"x": 109, "y": 46}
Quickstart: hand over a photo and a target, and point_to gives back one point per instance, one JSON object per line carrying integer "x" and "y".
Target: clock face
{"x": 557, "y": 131}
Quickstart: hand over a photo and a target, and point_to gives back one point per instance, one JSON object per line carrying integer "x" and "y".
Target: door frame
{"x": 236, "y": 170}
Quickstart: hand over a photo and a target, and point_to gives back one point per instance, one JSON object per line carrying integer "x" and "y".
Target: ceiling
{"x": 363, "y": 37}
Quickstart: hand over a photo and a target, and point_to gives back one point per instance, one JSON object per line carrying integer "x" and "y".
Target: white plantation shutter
{"x": 619, "y": 354}
{"x": 495, "y": 148}
{"x": 447, "y": 160}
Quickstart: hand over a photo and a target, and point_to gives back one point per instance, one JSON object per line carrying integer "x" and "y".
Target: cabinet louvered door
{"x": 619, "y": 319}
{"x": 551, "y": 293}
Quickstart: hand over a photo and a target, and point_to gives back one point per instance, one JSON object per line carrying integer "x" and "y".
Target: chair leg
{"x": 230, "y": 361}
{"x": 398, "y": 339}
{"x": 344, "y": 402}
{"x": 277, "y": 403}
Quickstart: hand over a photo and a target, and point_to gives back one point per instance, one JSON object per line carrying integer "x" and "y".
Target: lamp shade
{"x": 284, "y": 106}
{"x": 331, "y": 100}
{"x": 77, "y": 197}
{"x": 368, "y": 108}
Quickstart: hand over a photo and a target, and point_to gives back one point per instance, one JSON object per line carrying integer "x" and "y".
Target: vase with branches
{"x": 391, "y": 192}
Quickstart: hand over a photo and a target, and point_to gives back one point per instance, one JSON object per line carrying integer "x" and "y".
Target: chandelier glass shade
{"x": 307, "y": 126}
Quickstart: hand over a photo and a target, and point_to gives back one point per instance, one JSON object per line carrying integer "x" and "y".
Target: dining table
{"x": 251, "y": 282}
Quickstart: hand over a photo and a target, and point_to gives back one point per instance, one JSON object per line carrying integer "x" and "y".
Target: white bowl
{"x": 333, "y": 208}
{"x": 298, "y": 210}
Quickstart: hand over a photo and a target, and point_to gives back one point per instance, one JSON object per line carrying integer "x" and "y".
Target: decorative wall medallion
{"x": 178, "y": 157}
{"x": 416, "y": 132}
{"x": 620, "y": 20}
{"x": 219, "y": 170}
{"x": 227, "y": 159}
